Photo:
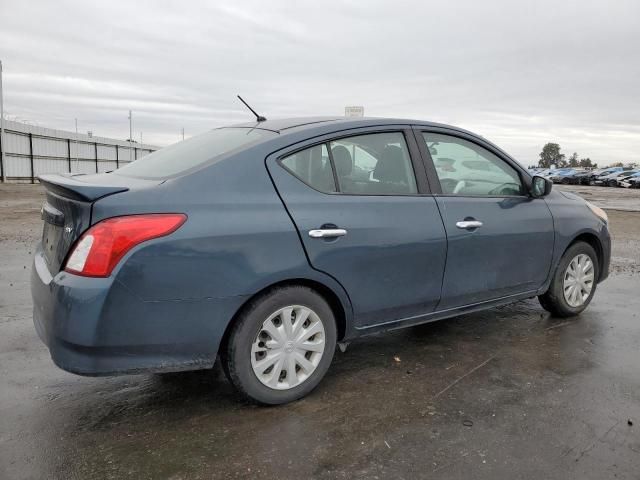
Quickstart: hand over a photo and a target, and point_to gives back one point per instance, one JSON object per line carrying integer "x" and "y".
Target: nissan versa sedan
{"x": 270, "y": 243}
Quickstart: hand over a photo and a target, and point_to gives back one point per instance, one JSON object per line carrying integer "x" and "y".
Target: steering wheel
{"x": 451, "y": 185}
{"x": 459, "y": 186}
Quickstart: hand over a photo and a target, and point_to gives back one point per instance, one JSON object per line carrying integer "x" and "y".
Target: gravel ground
{"x": 627, "y": 199}
{"x": 623, "y": 207}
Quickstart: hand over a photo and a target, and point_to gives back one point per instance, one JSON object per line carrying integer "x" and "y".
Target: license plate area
{"x": 52, "y": 231}
{"x": 51, "y": 236}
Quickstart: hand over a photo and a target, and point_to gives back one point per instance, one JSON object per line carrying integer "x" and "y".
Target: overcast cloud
{"x": 519, "y": 73}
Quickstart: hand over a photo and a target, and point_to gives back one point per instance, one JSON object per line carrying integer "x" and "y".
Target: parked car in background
{"x": 612, "y": 179}
{"x": 579, "y": 177}
{"x": 582, "y": 178}
{"x": 634, "y": 183}
{"x": 560, "y": 174}
{"x": 627, "y": 181}
{"x": 267, "y": 244}
{"x": 598, "y": 175}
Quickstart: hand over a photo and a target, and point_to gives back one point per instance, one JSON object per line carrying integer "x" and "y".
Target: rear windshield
{"x": 186, "y": 155}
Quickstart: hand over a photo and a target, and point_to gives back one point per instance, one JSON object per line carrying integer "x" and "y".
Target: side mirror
{"x": 540, "y": 187}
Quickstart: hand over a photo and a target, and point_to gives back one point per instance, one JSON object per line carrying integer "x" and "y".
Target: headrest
{"x": 342, "y": 160}
{"x": 389, "y": 167}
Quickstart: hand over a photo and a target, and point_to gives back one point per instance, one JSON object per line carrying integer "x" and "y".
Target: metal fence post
{"x": 33, "y": 173}
{"x": 135, "y": 153}
{"x": 2, "y": 152}
{"x": 95, "y": 145}
{"x": 2, "y": 175}
{"x": 117, "y": 157}
{"x": 69, "y": 154}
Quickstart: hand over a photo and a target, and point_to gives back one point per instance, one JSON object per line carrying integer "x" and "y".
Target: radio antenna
{"x": 259, "y": 118}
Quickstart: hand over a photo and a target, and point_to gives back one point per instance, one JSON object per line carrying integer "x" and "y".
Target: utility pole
{"x": 130, "y": 137}
{"x": 77, "y": 155}
{"x": 4, "y": 145}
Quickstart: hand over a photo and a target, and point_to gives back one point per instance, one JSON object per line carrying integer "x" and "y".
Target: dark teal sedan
{"x": 270, "y": 243}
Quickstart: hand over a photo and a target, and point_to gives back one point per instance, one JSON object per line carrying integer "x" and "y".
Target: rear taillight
{"x": 100, "y": 248}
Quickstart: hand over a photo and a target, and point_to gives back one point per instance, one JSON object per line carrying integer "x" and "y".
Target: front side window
{"x": 465, "y": 168}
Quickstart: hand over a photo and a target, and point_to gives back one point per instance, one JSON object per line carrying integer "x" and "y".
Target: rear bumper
{"x": 96, "y": 326}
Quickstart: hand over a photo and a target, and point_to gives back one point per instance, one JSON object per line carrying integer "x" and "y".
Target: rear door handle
{"x": 469, "y": 224}
{"x": 327, "y": 233}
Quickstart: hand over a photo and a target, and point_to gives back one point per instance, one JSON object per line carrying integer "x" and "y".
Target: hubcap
{"x": 288, "y": 347}
{"x": 578, "y": 280}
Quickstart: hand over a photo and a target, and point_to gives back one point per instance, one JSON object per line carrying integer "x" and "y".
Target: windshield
{"x": 206, "y": 148}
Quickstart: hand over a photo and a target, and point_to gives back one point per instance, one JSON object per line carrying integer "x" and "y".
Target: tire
{"x": 554, "y": 300}
{"x": 248, "y": 344}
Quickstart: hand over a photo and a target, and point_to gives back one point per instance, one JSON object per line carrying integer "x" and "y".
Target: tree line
{"x": 551, "y": 155}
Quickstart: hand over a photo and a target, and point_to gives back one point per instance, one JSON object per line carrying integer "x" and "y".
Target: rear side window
{"x": 372, "y": 164}
{"x": 196, "y": 151}
{"x": 313, "y": 167}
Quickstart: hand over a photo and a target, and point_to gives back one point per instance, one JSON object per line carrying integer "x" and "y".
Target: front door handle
{"x": 327, "y": 233}
{"x": 469, "y": 224}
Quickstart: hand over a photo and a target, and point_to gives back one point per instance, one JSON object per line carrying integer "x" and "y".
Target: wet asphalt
{"x": 507, "y": 393}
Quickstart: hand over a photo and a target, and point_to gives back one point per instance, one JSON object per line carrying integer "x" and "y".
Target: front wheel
{"x": 574, "y": 282}
{"x": 281, "y": 345}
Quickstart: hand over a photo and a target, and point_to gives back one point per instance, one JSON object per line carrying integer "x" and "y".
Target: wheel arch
{"x": 592, "y": 240}
{"x": 341, "y": 312}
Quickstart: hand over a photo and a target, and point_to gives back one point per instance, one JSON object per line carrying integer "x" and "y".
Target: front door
{"x": 365, "y": 219}
{"x": 500, "y": 240}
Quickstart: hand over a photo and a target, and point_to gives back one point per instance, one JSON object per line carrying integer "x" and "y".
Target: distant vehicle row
{"x": 606, "y": 177}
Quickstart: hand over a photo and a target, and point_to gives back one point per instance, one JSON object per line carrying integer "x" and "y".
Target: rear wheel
{"x": 574, "y": 282}
{"x": 281, "y": 345}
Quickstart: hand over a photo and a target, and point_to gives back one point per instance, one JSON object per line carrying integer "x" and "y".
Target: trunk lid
{"x": 67, "y": 209}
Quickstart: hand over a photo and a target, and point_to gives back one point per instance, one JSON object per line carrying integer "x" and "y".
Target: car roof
{"x": 284, "y": 125}
{"x": 301, "y": 128}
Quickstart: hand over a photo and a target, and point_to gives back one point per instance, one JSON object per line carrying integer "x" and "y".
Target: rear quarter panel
{"x": 237, "y": 240}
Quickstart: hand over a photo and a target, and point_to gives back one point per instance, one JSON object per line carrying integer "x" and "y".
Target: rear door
{"x": 361, "y": 205}
{"x": 500, "y": 240}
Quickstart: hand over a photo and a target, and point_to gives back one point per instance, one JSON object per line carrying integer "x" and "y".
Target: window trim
{"x": 336, "y": 180}
{"x": 432, "y": 174}
{"x": 416, "y": 161}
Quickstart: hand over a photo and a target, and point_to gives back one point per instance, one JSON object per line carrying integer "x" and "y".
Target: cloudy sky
{"x": 521, "y": 73}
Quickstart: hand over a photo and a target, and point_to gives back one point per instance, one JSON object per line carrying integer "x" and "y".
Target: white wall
{"x": 31, "y": 151}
